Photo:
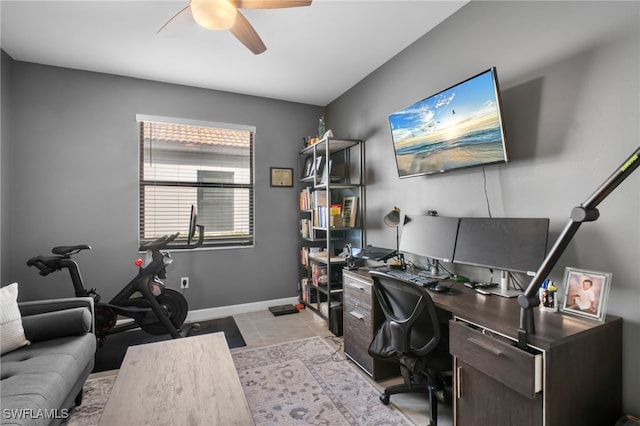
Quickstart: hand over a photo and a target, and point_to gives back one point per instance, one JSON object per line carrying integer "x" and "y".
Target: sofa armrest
{"x": 52, "y": 305}
{"x": 56, "y": 324}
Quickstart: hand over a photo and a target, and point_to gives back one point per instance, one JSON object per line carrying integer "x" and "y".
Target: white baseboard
{"x": 225, "y": 311}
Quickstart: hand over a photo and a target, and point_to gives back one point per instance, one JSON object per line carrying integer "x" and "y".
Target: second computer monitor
{"x": 429, "y": 236}
{"x": 508, "y": 244}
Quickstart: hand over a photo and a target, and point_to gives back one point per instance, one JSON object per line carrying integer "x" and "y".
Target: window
{"x": 207, "y": 165}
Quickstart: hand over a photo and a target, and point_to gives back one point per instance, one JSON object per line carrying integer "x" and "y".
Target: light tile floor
{"x": 261, "y": 328}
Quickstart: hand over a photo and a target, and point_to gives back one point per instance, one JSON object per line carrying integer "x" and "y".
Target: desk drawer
{"x": 358, "y": 327}
{"x": 497, "y": 358}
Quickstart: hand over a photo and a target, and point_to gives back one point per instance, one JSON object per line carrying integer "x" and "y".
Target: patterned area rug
{"x": 304, "y": 382}
{"x": 96, "y": 393}
{"x": 307, "y": 382}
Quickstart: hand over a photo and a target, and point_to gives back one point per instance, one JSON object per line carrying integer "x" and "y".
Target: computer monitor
{"x": 429, "y": 236}
{"x": 506, "y": 244}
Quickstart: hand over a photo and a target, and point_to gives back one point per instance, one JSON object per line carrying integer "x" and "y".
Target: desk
{"x": 579, "y": 364}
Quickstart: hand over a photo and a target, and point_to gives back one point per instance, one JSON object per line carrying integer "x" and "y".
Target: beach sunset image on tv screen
{"x": 457, "y": 128}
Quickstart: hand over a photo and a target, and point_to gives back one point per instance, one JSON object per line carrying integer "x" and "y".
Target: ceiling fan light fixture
{"x": 214, "y": 14}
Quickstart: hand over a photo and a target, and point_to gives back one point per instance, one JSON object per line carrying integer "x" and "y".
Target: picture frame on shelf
{"x": 586, "y": 293}
{"x": 349, "y": 211}
{"x": 319, "y": 166}
{"x": 326, "y": 171}
{"x": 281, "y": 177}
{"x": 307, "y": 169}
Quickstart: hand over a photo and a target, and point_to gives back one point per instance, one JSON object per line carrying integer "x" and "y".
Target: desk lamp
{"x": 585, "y": 212}
{"x": 392, "y": 219}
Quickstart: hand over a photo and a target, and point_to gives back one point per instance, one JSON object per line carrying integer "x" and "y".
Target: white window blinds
{"x": 207, "y": 165}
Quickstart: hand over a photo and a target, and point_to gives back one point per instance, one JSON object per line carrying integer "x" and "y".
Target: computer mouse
{"x": 440, "y": 288}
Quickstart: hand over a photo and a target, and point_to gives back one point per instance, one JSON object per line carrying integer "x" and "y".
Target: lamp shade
{"x": 392, "y": 218}
{"x": 213, "y": 14}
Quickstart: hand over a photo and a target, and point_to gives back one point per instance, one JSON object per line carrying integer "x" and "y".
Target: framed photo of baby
{"x": 585, "y": 293}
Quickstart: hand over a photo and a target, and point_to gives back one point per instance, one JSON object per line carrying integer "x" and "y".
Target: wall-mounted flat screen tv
{"x": 456, "y": 128}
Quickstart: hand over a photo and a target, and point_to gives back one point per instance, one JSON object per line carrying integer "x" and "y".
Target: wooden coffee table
{"x": 178, "y": 382}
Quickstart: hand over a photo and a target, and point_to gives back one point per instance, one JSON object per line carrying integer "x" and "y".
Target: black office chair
{"x": 412, "y": 336}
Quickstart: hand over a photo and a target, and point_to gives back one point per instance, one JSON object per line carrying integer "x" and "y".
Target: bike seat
{"x": 65, "y": 250}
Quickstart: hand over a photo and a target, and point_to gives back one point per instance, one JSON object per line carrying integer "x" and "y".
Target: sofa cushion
{"x": 40, "y": 376}
{"x": 11, "y": 332}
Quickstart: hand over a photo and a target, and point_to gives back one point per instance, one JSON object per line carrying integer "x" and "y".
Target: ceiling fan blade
{"x": 269, "y": 4}
{"x": 173, "y": 18}
{"x": 244, "y": 32}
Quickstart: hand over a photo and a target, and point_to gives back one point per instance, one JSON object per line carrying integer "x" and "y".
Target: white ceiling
{"x": 314, "y": 54}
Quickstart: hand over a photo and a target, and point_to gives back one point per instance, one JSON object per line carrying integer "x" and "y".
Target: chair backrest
{"x": 410, "y": 310}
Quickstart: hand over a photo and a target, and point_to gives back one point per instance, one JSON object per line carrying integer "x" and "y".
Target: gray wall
{"x": 74, "y": 156}
{"x": 569, "y": 74}
{"x": 5, "y": 177}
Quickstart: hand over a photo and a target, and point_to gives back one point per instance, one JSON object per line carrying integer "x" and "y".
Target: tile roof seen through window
{"x": 198, "y": 135}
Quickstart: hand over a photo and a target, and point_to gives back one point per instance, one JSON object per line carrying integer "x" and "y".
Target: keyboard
{"x": 413, "y": 278}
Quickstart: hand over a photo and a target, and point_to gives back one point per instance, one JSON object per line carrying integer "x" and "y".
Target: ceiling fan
{"x": 222, "y": 15}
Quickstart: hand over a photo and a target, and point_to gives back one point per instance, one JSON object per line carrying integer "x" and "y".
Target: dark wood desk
{"x": 571, "y": 375}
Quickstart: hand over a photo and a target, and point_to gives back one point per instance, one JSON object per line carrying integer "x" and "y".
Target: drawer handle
{"x": 357, "y": 315}
{"x": 459, "y": 382}
{"x": 486, "y": 346}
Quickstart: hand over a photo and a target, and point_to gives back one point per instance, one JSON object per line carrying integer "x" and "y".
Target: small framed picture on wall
{"x": 281, "y": 176}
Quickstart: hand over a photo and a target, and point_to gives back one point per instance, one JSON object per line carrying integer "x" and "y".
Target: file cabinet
{"x": 362, "y": 317}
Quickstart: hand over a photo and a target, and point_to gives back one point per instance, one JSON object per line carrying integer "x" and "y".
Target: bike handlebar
{"x": 49, "y": 264}
{"x": 46, "y": 265}
{"x": 161, "y": 242}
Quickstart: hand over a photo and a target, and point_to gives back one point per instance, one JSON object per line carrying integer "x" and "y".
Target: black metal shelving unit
{"x": 338, "y": 172}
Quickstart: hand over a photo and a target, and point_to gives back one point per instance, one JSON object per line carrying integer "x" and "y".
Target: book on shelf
{"x": 304, "y": 282}
{"x": 307, "y": 295}
{"x": 306, "y": 228}
{"x": 349, "y": 211}
{"x": 320, "y": 208}
{"x": 305, "y": 252}
{"x": 319, "y": 275}
{"x": 305, "y": 199}
{"x": 320, "y": 198}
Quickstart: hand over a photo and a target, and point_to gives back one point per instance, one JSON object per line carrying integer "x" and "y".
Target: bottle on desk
{"x": 548, "y": 299}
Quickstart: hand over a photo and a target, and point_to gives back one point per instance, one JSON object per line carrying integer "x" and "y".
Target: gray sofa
{"x": 42, "y": 381}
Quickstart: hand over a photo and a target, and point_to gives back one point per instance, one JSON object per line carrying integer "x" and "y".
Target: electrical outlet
{"x": 184, "y": 282}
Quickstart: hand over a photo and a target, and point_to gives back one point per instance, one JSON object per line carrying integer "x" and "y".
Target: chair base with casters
{"x": 413, "y": 336}
{"x": 435, "y": 385}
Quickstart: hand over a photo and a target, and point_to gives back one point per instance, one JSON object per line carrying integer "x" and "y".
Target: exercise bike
{"x": 152, "y": 307}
